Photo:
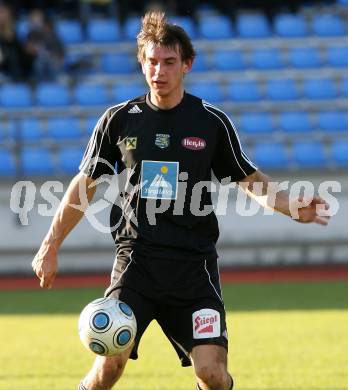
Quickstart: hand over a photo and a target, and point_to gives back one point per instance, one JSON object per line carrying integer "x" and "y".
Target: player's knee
{"x": 215, "y": 377}
{"x": 110, "y": 369}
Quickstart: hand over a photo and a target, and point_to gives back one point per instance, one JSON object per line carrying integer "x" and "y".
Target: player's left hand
{"x": 316, "y": 211}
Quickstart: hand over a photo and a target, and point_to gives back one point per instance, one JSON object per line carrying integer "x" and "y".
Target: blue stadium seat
{"x": 304, "y": 57}
{"x": 253, "y": 26}
{"x": 337, "y": 56}
{"x": 64, "y": 128}
{"x": 200, "y": 63}
{"x": 103, "y": 31}
{"x": 131, "y": 28}
{"x": 271, "y": 155}
{"x": 215, "y": 27}
{"x": 209, "y": 91}
{"x": 333, "y": 120}
{"x": 117, "y": 63}
{"x": 309, "y": 154}
{"x": 339, "y": 153}
{"x": 319, "y": 88}
{"x": 295, "y": 122}
{"x": 186, "y": 23}
{"x": 256, "y": 123}
{"x": 264, "y": 59}
{"x": 90, "y": 124}
{"x": 37, "y": 161}
{"x": 282, "y": 89}
{"x": 344, "y": 87}
{"x": 88, "y": 94}
{"x": 327, "y": 25}
{"x": 228, "y": 60}
{"x": 8, "y": 130}
{"x": 69, "y": 31}
{"x": 7, "y": 163}
{"x": 31, "y": 129}
{"x": 244, "y": 91}
{"x": 123, "y": 92}
{"x": 69, "y": 159}
{"x": 15, "y": 95}
{"x": 52, "y": 94}
{"x": 290, "y": 26}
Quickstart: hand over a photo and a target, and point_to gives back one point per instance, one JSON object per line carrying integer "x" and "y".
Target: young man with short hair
{"x": 168, "y": 142}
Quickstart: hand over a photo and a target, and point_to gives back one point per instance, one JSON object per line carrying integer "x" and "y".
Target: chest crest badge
{"x": 162, "y": 140}
{"x": 131, "y": 143}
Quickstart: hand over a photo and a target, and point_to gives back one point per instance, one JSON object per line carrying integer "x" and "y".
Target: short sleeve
{"x": 229, "y": 159}
{"x": 101, "y": 153}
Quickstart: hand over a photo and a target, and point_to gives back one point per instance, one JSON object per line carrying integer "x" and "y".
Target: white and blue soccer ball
{"x": 107, "y": 326}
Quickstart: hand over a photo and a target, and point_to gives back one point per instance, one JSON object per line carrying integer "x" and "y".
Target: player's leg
{"x": 105, "y": 372}
{"x": 210, "y": 366}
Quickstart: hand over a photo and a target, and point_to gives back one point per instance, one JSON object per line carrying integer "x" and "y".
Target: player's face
{"x": 164, "y": 70}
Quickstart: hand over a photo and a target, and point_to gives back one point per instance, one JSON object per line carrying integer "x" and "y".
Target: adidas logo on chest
{"x": 135, "y": 110}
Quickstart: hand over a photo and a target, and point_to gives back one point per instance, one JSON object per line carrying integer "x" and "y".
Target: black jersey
{"x": 168, "y": 156}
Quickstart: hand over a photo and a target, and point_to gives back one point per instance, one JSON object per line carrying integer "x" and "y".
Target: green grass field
{"x": 282, "y": 336}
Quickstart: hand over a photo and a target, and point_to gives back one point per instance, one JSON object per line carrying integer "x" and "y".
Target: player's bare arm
{"x": 268, "y": 193}
{"x": 80, "y": 192}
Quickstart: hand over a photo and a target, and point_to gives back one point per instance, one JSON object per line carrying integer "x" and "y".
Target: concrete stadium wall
{"x": 244, "y": 240}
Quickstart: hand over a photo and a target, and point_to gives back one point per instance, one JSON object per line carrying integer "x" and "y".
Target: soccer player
{"x": 168, "y": 142}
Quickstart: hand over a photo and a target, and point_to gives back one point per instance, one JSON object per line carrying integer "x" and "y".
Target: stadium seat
{"x": 304, "y": 57}
{"x": 295, "y": 122}
{"x": 123, "y": 92}
{"x": 337, "y": 56}
{"x": 103, "y": 31}
{"x": 228, "y": 60}
{"x": 88, "y": 94}
{"x": 64, "y": 128}
{"x": 131, "y": 28}
{"x": 344, "y": 87}
{"x": 187, "y": 24}
{"x": 8, "y": 130}
{"x": 339, "y": 153}
{"x": 69, "y": 159}
{"x": 117, "y": 63}
{"x": 7, "y": 163}
{"x": 252, "y": 26}
{"x": 282, "y": 89}
{"x": 90, "y": 124}
{"x": 333, "y": 121}
{"x": 15, "y": 95}
{"x": 69, "y": 31}
{"x": 309, "y": 154}
{"x": 319, "y": 88}
{"x": 31, "y": 129}
{"x": 37, "y": 161}
{"x": 290, "y": 26}
{"x": 200, "y": 63}
{"x": 51, "y": 95}
{"x": 215, "y": 27}
{"x": 244, "y": 91}
{"x": 209, "y": 91}
{"x": 264, "y": 59}
{"x": 256, "y": 123}
{"x": 271, "y": 155}
{"x": 327, "y": 25}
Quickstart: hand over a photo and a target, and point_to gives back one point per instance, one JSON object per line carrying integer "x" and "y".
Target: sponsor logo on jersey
{"x": 135, "y": 110}
{"x": 193, "y": 143}
{"x": 159, "y": 179}
{"x": 206, "y": 324}
{"x": 162, "y": 140}
{"x": 131, "y": 143}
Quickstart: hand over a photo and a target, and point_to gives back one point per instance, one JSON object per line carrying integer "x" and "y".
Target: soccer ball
{"x": 107, "y": 326}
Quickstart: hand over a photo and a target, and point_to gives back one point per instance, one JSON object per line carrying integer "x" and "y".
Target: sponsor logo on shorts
{"x": 193, "y": 143}
{"x": 206, "y": 324}
{"x": 131, "y": 143}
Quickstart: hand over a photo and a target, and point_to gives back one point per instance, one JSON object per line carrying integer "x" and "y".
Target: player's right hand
{"x": 45, "y": 265}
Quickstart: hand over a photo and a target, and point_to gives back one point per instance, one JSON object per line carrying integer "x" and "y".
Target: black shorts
{"x": 184, "y": 297}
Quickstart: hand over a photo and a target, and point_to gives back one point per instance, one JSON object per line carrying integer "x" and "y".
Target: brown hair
{"x": 157, "y": 30}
